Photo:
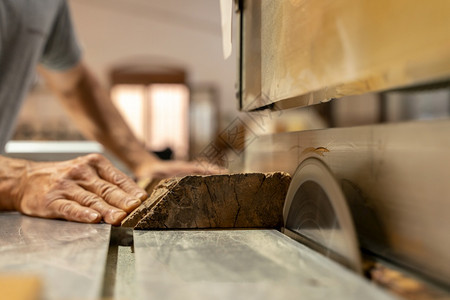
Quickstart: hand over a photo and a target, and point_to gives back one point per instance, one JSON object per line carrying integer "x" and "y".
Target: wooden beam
{"x": 252, "y": 200}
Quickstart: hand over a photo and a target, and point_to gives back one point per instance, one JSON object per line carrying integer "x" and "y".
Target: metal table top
{"x": 77, "y": 261}
{"x": 68, "y": 257}
{"x": 239, "y": 264}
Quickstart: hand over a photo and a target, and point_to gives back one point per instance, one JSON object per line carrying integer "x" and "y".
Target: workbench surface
{"x": 73, "y": 262}
{"x": 69, "y": 257}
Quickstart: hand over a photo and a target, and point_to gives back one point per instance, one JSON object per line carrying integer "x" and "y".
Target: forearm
{"x": 11, "y": 174}
{"x": 96, "y": 116}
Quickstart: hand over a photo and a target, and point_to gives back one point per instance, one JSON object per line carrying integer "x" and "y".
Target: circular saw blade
{"x": 316, "y": 214}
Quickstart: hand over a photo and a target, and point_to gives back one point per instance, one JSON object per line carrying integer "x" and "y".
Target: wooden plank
{"x": 68, "y": 257}
{"x": 239, "y": 264}
{"x": 252, "y": 200}
{"x": 313, "y": 51}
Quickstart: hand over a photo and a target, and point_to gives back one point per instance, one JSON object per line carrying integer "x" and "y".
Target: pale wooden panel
{"x": 315, "y": 50}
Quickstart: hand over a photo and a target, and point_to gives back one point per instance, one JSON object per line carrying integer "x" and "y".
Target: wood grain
{"x": 251, "y": 200}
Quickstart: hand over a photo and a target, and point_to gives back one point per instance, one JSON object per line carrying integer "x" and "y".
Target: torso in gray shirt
{"x": 31, "y": 32}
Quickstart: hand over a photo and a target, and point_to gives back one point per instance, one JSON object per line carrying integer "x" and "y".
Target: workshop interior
{"x": 351, "y": 98}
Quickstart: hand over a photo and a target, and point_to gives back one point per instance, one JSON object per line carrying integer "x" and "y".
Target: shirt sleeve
{"x": 61, "y": 50}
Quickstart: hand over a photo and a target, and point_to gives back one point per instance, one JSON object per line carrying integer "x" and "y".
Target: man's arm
{"x": 91, "y": 108}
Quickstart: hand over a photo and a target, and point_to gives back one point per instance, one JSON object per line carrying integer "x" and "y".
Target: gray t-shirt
{"x": 31, "y": 32}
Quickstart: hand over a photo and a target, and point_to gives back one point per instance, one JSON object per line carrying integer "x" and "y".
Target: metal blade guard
{"x": 316, "y": 214}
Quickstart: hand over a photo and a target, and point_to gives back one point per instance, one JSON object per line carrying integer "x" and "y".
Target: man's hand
{"x": 86, "y": 189}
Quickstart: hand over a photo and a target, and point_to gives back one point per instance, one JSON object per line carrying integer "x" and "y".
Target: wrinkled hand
{"x": 86, "y": 189}
{"x": 173, "y": 168}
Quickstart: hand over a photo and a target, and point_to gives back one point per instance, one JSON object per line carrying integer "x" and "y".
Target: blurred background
{"x": 163, "y": 64}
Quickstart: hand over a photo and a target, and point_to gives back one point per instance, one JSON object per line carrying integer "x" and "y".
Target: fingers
{"x": 72, "y": 211}
{"x": 112, "y": 194}
{"x": 208, "y": 169}
{"x": 110, "y": 213}
{"x": 182, "y": 168}
{"x": 110, "y": 174}
{"x": 87, "y": 189}
{"x": 93, "y": 182}
{"x": 78, "y": 195}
